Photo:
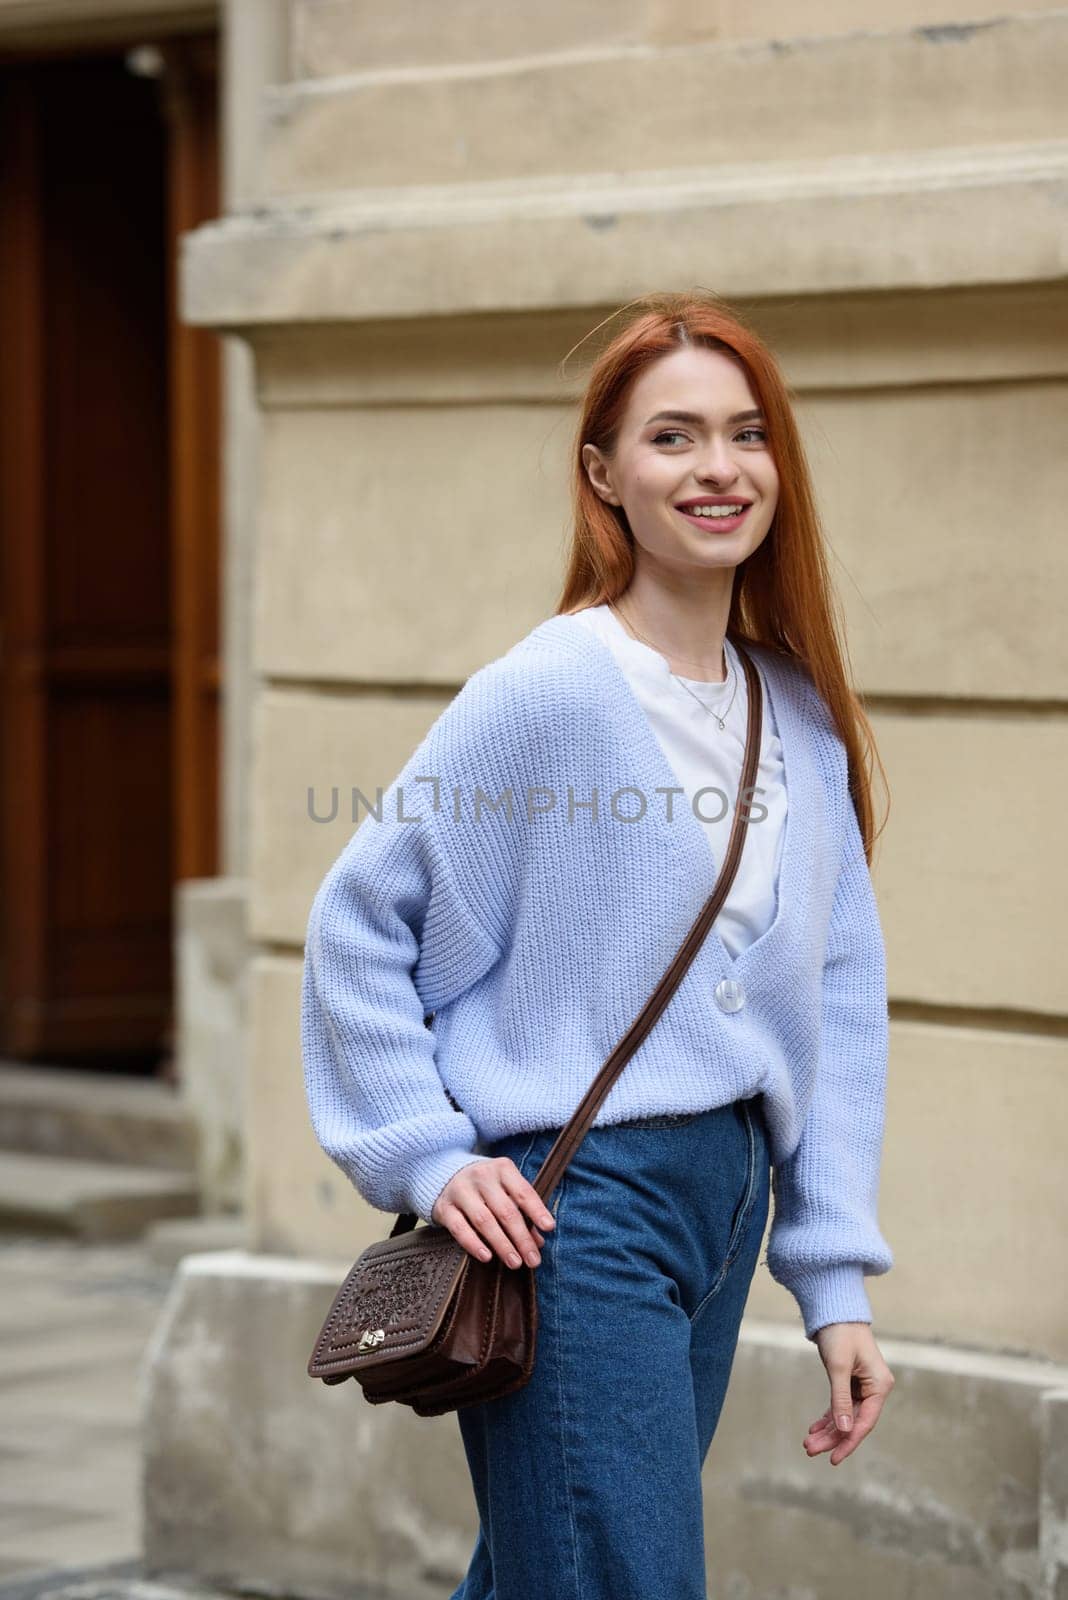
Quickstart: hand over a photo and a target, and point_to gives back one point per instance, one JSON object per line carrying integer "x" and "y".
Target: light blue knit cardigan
{"x": 534, "y": 937}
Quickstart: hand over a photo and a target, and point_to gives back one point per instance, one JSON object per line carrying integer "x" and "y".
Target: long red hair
{"x": 782, "y": 596}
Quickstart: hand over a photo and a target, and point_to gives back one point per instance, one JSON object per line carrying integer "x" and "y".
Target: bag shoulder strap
{"x": 575, "y": 1130}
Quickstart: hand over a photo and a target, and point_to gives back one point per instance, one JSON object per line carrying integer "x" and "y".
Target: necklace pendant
{"x": 728, "y": 668}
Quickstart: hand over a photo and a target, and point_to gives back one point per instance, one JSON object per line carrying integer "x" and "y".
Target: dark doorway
{"x": 109, "y": 420}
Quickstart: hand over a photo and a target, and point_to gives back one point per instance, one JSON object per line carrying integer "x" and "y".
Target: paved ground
{"x": 74, "y": 1322}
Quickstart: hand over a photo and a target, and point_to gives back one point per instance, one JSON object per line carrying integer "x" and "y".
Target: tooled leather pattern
{"x": 386, "y": 1292}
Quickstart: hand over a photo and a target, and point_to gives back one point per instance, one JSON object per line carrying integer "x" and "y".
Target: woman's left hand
{"x": 860, "y": 1384}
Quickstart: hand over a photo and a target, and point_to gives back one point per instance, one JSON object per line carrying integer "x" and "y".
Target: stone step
{"x": 95, "y": 1116}
{"x": 645, "y": 109}
{"x": 93, "y": 1200}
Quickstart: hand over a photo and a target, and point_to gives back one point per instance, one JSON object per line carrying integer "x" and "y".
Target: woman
{"x": 549, "y": 876}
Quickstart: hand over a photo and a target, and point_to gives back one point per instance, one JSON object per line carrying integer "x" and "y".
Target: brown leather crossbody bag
{"x": 418, "y": 1319}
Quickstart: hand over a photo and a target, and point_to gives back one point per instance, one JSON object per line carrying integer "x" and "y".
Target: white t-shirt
{"x": 705, "y": 756}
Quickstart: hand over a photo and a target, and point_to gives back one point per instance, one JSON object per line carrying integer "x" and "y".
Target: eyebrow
{"x": 698, "y": 420}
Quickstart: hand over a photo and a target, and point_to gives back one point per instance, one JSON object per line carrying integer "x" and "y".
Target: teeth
{"x": 714, "y": 511}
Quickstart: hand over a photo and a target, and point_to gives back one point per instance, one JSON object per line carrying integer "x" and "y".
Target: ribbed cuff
{"x": 830, "y": 1294}
{"x": 428, "y": 1175}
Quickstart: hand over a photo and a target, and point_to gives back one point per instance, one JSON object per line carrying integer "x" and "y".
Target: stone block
{"x": 257, "y": 1476}
{"x": 706, "y": 103}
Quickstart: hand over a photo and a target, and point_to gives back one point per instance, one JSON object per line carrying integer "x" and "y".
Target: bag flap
{"x": 392, "y": 1302}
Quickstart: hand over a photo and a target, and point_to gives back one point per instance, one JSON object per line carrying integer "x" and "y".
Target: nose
{"x": 717, "y": 465}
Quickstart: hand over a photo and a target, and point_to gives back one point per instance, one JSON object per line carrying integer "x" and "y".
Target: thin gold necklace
{"x": 728, "y": 668}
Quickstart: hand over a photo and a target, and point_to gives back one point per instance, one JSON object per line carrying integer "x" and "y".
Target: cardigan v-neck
{"x": 707, "y": 760}
{"x": 684, "y": 832}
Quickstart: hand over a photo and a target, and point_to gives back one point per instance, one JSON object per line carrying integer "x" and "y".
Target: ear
{"x": 598, "y": 473}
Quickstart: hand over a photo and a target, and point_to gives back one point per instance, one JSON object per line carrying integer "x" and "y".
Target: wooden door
{"x": 100, "y": 479}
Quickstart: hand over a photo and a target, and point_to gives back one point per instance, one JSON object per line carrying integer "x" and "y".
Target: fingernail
{"x": 513, "y": 1260}
{"x": 547, "y": 1221}
{"x": 845, "y": 1423}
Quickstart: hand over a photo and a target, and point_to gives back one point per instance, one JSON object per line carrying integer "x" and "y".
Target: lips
{"x": 713, "y": 524}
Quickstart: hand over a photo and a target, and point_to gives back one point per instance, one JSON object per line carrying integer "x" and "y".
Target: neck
{"x": 686, "y": 623}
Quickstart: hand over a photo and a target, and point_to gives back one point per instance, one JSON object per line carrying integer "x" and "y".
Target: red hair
{"x": 782, "y": 595}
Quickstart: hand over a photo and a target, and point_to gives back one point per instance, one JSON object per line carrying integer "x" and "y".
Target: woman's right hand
{"x": 482, "y": 1206}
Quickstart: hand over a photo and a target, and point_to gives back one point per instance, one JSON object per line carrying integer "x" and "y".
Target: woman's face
{"x": 665, "y": 466}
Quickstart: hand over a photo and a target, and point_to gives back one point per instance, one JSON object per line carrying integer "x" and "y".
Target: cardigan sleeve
{"x": 403, "y": 922}
{"x": 825, "y": 1236}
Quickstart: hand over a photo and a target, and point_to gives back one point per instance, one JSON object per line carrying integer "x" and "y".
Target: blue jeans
{"x": 588, "y": 1479}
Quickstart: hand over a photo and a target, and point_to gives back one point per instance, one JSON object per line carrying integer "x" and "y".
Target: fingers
{"x": 822, "y": 1435}
{"x": 857, "y": 1396}
{"x": 825, "y": 1434}
{"x": 865, "y": 1416}
{"x": 482, "y": 1206}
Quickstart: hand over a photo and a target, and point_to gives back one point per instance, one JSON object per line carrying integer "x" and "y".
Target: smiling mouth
{"x": 724, "y": 517}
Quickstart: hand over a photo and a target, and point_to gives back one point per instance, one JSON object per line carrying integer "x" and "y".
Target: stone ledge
{"x": 910, "y": 221}
{"x": 331, "y": 1492}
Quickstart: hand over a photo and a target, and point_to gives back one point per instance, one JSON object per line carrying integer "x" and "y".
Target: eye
{"x": 674, "y": 433}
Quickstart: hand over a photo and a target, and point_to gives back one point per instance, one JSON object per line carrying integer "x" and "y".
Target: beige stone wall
{"x": 331, "y": 37}
{"x": 703, "y": 104}
{"x": 449, "y": 198}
